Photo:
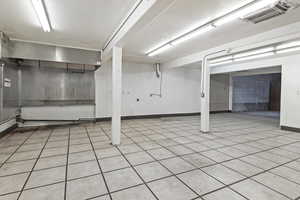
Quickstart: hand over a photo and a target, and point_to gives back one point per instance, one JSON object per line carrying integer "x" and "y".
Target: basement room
{"x": 150, "y": 100}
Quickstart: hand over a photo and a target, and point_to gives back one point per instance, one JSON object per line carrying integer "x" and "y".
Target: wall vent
{"x": 274, "y": 10}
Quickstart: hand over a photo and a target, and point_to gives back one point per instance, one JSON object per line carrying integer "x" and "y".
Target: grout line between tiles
{"x": 67, "y": 165}
{"x": 95, "y": 154}
{"x": 29, "y": 175}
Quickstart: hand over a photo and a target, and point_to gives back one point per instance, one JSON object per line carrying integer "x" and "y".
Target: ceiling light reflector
{"x": 41, "y": 13}
{"x": 159, "y": 50}
{"x": 193, "y": 34}
{"x": 240, "y": 13}
{"x": 255, "y": 56}
{"x": 288, "y": 45}
{"x": 258, "y": 51}
{"x": 288, "y": 50}
{"x": 221, "y": 63}
{"x": 217, "y": 60}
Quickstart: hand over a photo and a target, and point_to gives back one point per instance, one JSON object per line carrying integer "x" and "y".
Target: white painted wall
{"x": 180, "y": 90}
{"x": 180, "y": 94}
{"x": 290, "y": 89}
{"x": 290, "y": 93}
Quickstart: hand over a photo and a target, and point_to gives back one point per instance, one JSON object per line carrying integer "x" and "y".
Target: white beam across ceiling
{"x": 285, "y": 33}
{"x": 135, "y": 14}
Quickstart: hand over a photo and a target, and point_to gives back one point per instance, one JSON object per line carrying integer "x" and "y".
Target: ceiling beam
{"x": 134, "y": 15}
{"x": 258, "y": 64}
{"x": 288, "y": 32}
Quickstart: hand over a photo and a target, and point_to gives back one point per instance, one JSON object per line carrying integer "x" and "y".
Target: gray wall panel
{"x": 10, "y": 91}
{"x": 33, "y": 51}
{"x": 44, "y": 86}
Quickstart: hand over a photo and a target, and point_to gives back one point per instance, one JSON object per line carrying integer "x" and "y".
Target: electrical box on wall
{"x": 7, "y": 82}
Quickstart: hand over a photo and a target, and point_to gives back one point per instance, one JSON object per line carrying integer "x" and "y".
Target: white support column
{"x": 205, "y": 96}
{"x": 230, "y": 92}
{"x": 116, "y": 95}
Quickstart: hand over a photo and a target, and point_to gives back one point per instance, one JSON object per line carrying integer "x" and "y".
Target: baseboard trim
{"x": 159, "y": 115}
{"x": 44, "y": 126}
{"x": 288, "y": 128}
{"x": 10, "y": 129}
{"x": 48, "y": 120}
{"x": 123, "y": 118}
{"x": 220, "y": 111}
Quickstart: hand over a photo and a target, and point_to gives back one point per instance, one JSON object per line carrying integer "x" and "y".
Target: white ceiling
{"x": 77, "y": 23}
{"x": 89, "y": 23}
{"x": 188, "y": 13}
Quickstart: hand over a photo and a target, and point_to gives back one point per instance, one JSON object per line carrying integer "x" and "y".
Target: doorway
{"x": 257, "y": 94}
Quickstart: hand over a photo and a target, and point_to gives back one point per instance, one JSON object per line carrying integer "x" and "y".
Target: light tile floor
{"x": 244, "y": 157}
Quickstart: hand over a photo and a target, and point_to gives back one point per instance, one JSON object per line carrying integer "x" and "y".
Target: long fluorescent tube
{"x": 228, "y": 18}
{"x": 221, "y": 63}
{"x": 255, "y": 56}
{"x": 288, "y": 45}
{"x": 242, "y": 59}
{"x": 193, "y": 34}
{"x": 240, "y": 13}
{"x": 258, "y": 53}
{"x": 250, "y": 53}
{"x": 217, "y": 60}
{"x": 41, "y": 13}
{"x": 161, "y": 49}
{"x": 288, "y": 50}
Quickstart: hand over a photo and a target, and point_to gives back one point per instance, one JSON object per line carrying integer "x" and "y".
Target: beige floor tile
{"x": 135, "y": 193}
{"x": 46, "y": 176}
{"x": 200, "y": 182}
{"x": 13, "y": 183}
{"x": 171, "y": 189}
{"x": 85, "y": 188}
{"x": 121, "y": 179}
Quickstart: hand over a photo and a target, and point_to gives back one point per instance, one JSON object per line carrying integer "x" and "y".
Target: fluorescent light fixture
{"x": 257, "y": 6}
{"x": 217, "y": 60}
{"x": 250, "y": 8}
{"x": 221, "y": 63}
{"x": 240, "y": 13}
{"x": 227, "y": 18}
{"x": 288, "y": 50}
{"x": 41, "y": 13}
{"x": 250, "y": 53}
{"x": 159, "y": 50}
{"x": 288, "y": 45}
{"x": 255, "y": 56}
{"x": 193, "y": 34}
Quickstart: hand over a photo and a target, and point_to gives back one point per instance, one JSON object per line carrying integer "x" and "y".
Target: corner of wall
{"x": 7, "y": 126}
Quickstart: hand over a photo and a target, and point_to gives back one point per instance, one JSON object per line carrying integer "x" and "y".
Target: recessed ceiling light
{"x": 288, "y": 45}
{"x": 254, "y": 52}
{"x": 288, "y": 50}
{"x": 193, "y": 34}
{"x": 221, "y": 63}
{"x": 222, "y": 59}
{"x": 40, "y": 10}
{"x": 159, "y": 50}
{"x": 255, "y": 56}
